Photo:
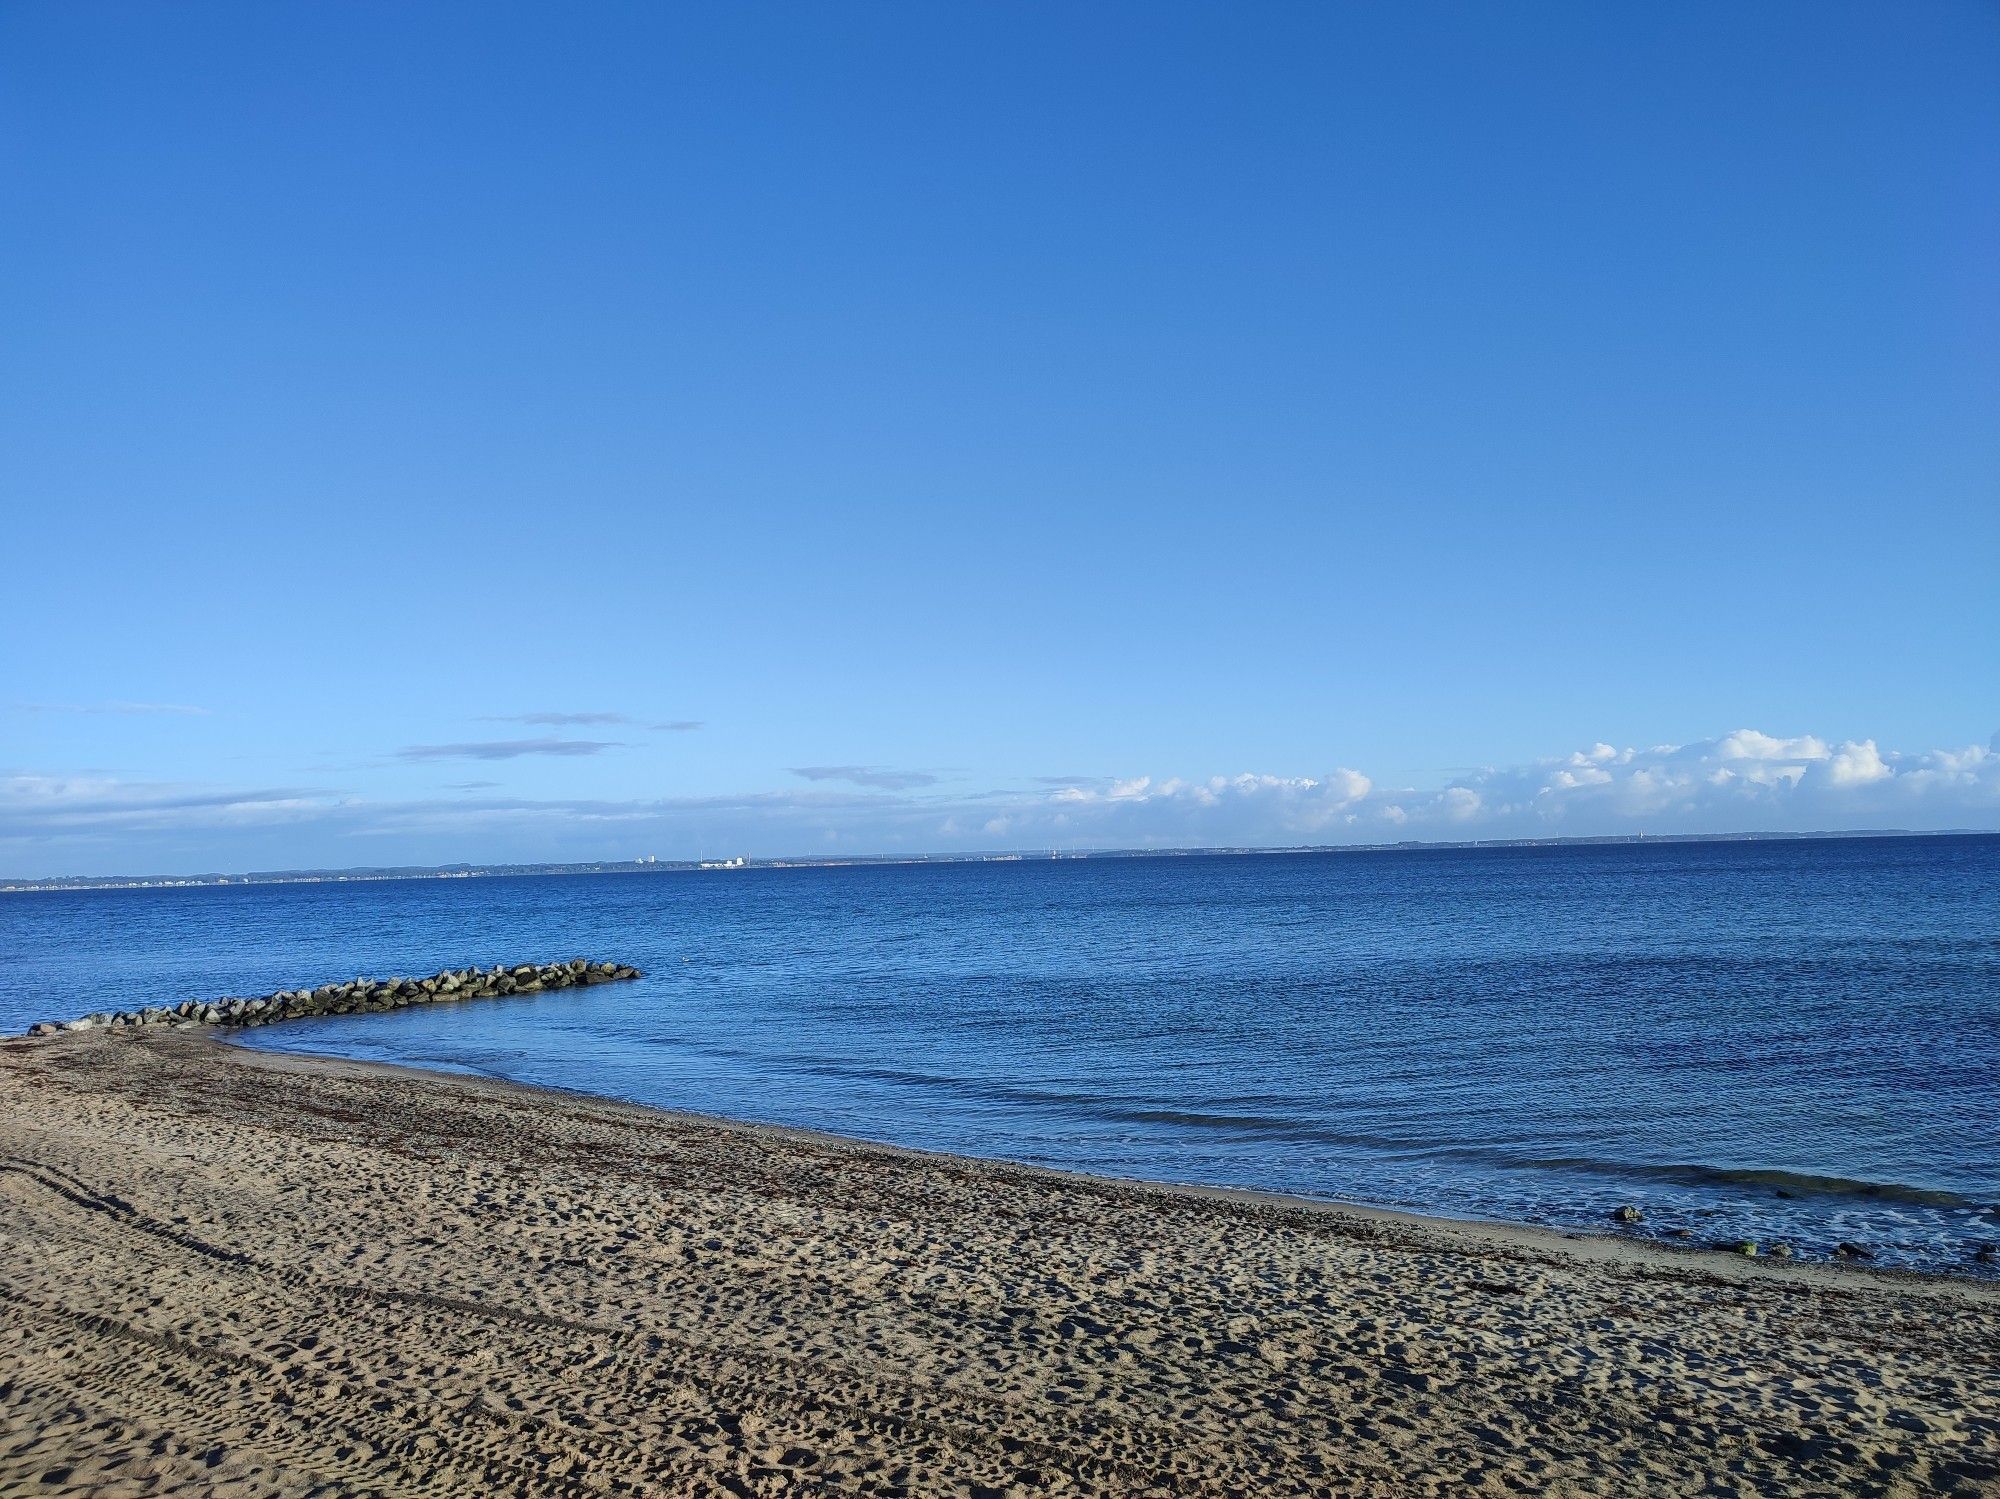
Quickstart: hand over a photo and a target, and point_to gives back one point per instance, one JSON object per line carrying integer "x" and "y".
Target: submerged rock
{"x": 1629, "y": 1214}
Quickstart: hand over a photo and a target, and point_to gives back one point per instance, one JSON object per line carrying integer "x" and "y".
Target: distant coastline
{"x": 1012, "y": 856}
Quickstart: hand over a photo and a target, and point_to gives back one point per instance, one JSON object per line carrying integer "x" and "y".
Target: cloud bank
{"x": 1745, "y": 781}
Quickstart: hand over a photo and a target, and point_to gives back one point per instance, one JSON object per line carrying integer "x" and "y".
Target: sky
{"x": 516, "y": 432}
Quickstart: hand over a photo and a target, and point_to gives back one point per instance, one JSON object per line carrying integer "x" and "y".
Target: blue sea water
{"x": 1793, "y": 1041}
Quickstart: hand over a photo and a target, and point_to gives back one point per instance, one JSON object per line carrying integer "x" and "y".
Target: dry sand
{"x": 239, "y": 1273}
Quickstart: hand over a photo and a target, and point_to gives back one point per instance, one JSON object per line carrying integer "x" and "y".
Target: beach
{"x": 248, "y": 1273}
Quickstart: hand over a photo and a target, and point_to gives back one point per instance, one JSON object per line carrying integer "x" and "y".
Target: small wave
{"x": 1083, "y": 1104}
{"x": 1281, "y": 1128}
{"x": 1782, "y": 1183}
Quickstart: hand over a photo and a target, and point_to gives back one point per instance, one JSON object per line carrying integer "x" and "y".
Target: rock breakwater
{"x": 357, "y": 996}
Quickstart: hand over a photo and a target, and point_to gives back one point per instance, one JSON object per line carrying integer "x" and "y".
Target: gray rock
{"x": 355, "y": 996}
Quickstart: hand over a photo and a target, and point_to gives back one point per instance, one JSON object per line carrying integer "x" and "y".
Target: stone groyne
{"x": 357, "y": 996}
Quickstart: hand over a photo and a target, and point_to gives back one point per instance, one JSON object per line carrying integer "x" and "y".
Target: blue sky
{"x": 493, "y": 431}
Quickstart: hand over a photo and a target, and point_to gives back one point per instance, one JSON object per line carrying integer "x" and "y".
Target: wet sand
{"x": 244, "y": 1273}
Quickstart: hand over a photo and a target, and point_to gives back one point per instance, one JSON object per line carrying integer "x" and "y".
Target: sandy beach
{"x": 232, "y": 1272}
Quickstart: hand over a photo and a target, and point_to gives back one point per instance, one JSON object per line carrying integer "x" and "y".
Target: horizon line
{"x": 467, "y": 869}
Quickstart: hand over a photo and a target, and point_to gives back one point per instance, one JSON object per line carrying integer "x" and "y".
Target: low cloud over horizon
{"x": 1746, "y": 781}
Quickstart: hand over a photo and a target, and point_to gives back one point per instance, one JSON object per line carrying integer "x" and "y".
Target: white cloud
{"x": 1746, "y": 781}
{"x": 1460, "y": 803}
{"x": 1234, "y": 810}
{"x": 1856, "y": 765}
{"x": 1748, "y": 744}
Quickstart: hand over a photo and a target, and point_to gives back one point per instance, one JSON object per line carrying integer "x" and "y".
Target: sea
{"x": 1790, "y": 1041}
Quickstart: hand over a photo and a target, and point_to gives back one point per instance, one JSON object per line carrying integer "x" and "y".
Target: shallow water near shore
{"x": 1779, "y": 1041}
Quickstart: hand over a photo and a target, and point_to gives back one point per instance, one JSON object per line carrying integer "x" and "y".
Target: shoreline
{"x": 252, "y": 1274}
{"x": 228, "y": 1017}
{"x": 1604, "y": 1244}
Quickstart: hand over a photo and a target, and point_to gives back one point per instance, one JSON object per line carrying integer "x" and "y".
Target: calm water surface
{"x": 1795, "y": 1040}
